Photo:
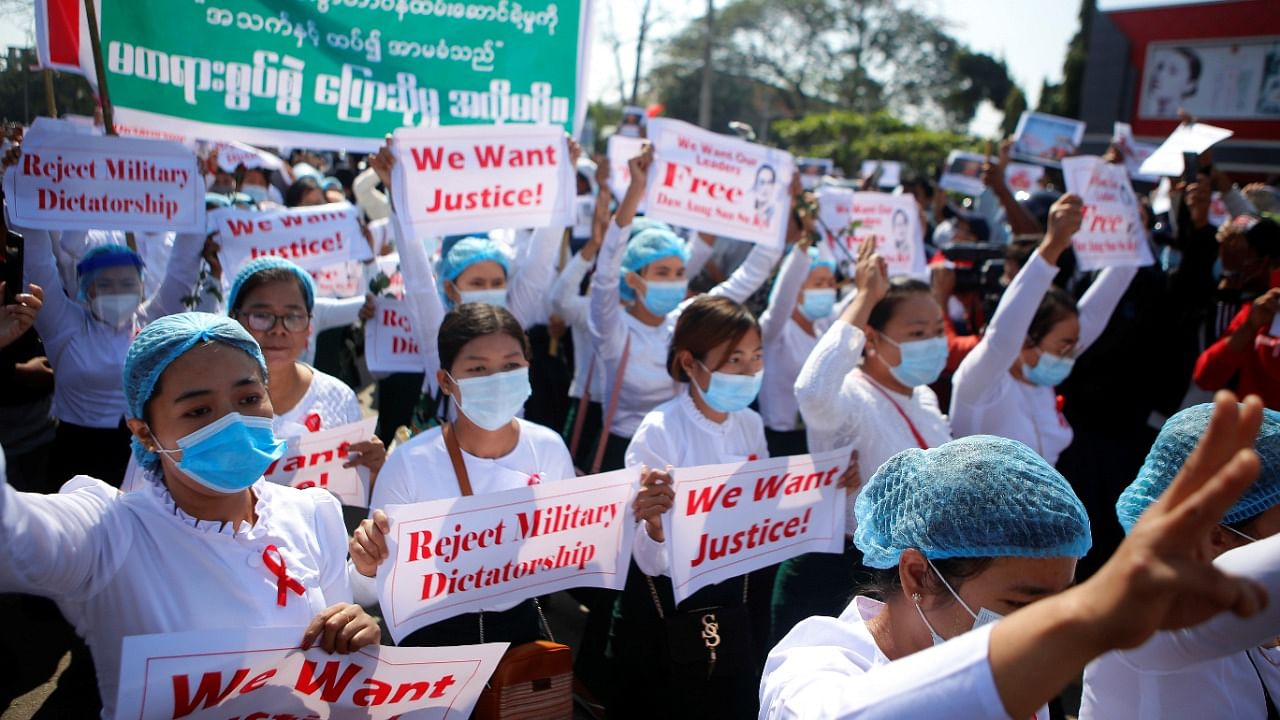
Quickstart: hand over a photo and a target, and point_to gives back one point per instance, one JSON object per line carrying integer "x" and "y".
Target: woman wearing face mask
{"x": 982, "y": 527}
{"x": 1005, "y": 386}
{"x": 897, "y": 331}
{"x": 206, "y": 545}
{"x": 86, "y": 340}
{"x": 484, "y": 356}
{"x": 1227, "y": 668}
{"x": 637, "y": 294}
{"x": 256, "y": 183}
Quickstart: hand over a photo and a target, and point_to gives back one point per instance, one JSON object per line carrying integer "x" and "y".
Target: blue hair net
{"x": 976, "y": 497}
{"x": 647, "y": 247}
{"x": 1174, "y": 444}
{"x": 817, "y": 261}
{"x": 162, "y": 342}
{"x": 464, "y": 253}
{"x": 641, "y": 223}
{"x": 273, "y": 263}
{"x": 100, "y": 258}
{"x": 218, "y": 199}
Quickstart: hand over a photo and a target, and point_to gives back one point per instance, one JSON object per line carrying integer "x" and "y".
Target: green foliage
{"x": 848, "y": 138}
{"x": 1014, "y": 105}
{"x": 22, "y": 90}
{"x": 978, "y": 77}
{"x": 1064, "y": 98}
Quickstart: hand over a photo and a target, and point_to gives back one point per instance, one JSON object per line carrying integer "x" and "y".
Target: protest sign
{"x": 66, "y": 180}
{"x": 389, "y": 267}
{"x": 584, "y": 210}
{"x": 1166, "y": 161}
{"x": 892, "y": 221}
{"x": 1111, "y": 233}
{"x": 890, "y": 172}
{"x": 1134, "y": 153}
{"x": 622, "y": 149}
{"x": 263, "y": 673}
{"x": 335, "y": 74}
{"x": 731, "y": 519}
{"x": 344, "y": 280}
{"x": 963, "y": 173}
{"x": 835, "y": 213}
{"x": 315, "y": 459}
{"x": 389, "y": 343}
{"x": 232, "y": 155}
{"x": 1021, "y": 177}
{"x": 633, "y": 122}
{"x": 465, "y": 554}
{"x": 1046, "y": 138}
{"x": 812, "y": 170}
{"x": 457, "y": 180}
{"x": 718, "y": 184}
{"x": 313, "y": 237}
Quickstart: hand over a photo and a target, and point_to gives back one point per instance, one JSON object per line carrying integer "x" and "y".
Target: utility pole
{"x": 704, "y": 98}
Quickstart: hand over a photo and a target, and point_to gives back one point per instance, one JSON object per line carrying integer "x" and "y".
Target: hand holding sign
{"x": 342, "y": 628}
{"x": 655, "y": 498}
{"x": 1065, "y": 218}
{"x": 368, "y": 544}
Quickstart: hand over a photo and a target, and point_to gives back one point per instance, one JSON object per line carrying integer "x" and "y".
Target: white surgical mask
{"x": 257, "y": 192}
{"x": 491, "y": 401}
{"x": 980, "y": 618}
{"x": 115, "y": 310}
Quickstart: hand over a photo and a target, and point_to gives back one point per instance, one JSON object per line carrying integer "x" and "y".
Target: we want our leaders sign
{"x": 262, "y": 673}
{"x": 465, "y": 554}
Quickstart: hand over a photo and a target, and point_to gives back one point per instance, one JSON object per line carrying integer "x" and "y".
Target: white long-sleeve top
{"x": 987, "y": 400}
{"x": 1214, "y": 670}
{"x": 328, "y": 403}
{"x": 136, "y": 564}
{"x": 88, "y": 355}
{"x": 676, "y": 433}
{"x": 420, "y": 470}
{"x": 575, "y": 310}
{"x": 842, "y": 407}
{"x": 786, "y": 345}
{"x": 372, "y": 201}
{"x": 645, "y": 382}
{"x": 831, "y": 668}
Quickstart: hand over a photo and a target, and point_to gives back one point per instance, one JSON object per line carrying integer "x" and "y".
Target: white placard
{"x": 232, "y": 155}
{"x": 1195, "y": 137}
{"x": 476, "y": 178}
{"x": 66, "y": 180}
{"x": 1134, "y": 153}
{"x": 892, "y": 221}
{"x": 389, "y": 343}
{"x": 1111, "y": 233}
{"x": 313, "y": 237}
{"x": 584, "y": 210}
{"x": 731, "y": 519}
{"x": 344, "y": 280}
{"x": 1041, "y": 137}
{"x": 622, "y": 149}
{"x": 1023, "y": 177}
{"x": 460, "y": 555}
{"x": 812, "y": 170}
{"x": 963, "y": 173}
{"x": 890, "y": 172}
{"x": 263, "y": 673}
{"x": 718, "y": 184}
{"x": 315, "y": 459}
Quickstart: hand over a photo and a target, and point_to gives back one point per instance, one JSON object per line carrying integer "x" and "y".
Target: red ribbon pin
{"x": 274, "y": 561}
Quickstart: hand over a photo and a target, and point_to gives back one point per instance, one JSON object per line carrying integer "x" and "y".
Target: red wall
{"x": 1237, "y": 18}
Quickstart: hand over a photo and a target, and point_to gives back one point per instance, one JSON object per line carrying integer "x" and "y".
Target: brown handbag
{"x": 533, "y": 680}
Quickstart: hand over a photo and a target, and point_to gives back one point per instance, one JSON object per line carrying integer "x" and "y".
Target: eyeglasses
{"x": 259, "y": 321}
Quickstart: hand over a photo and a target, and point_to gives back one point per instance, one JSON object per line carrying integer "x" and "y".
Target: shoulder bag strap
{"x": 613, "y": 407}
{"x": 455, "y": 456}
{"x": 910, "y": 425}
{"x": 580, "y": 420}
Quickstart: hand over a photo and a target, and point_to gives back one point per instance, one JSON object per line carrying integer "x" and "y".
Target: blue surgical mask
{"x": 257, "y": 192}
{"x": 663, "y": 297}
{"x": 818, "y": 303}
{"x": 1050, "y": 370}
{"x": 229, "y": 454}
{"x": 492, "y": 400}
{"x": 496, "y": 296}
{"x": 730, "y": 393}
{"x": 980, "y": 618}
{"x": 922, "y": 360}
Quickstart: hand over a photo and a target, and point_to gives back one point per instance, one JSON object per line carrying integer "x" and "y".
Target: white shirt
{"x": 420, "y": 470}
{"x": 575, "y": 310}
{"x": 1201, "y": 672}
{"x": 842, "y": 406}
{"x": 87, "y": 355}
{"x": 645, "y": 382}
{"x": 328, "y": 403}
{"x": 135, "y": 564}
{"x": 828, "y": 668}
{"x": 676, "y": 433}
{"x": 786, "y": 345}
{"x": 987, "y": 400}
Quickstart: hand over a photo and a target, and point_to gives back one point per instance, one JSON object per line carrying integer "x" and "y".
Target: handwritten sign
{"x": 1111, "y": 233}
{"x": 891, "y": 221}
{"x": 71, "y": 181}
{"x": 718, "y": 184}
{"x": 316, "y": 460}
{"x": 389, "y": 343}
{"x": 465, "y": 554}
{"x": 731, "y": 519}
{"x": 313, "y": 238}
{"x": 263, "y": 673}
{"x": 475, "y": 179}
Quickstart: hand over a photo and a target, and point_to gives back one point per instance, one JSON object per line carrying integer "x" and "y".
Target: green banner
{"x": 340, "y": 74}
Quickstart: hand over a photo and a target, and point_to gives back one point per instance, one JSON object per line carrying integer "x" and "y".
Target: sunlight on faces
{"x": 1060, "y": 340}
{"x": 484, "y": 275}
{"x": 200, "y": 387}
{"x": 481, "y": 357}
{"x": 916, "y": 317}
{"x": 745, "y": 358}
{"x": 1005, "y": 585}
{"x": 120, "y": 280}
{"x": 668, "y": 269}
{"x": 281, "y": 298}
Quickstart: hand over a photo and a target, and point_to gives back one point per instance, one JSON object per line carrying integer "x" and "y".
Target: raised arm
{"x": 527, "y": 293}
{"x": 60, "y": 317}
{"x": 180, "y": 277}
{"x": 782, "y": 303}
{"x": 607, "y": 329}
{"x": 1100, "y": 301}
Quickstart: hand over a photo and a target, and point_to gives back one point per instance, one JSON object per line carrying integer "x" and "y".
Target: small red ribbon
{"x": 274, "y": 561}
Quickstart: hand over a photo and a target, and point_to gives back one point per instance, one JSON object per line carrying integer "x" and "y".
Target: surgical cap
{"x": 976, "y": 497}
{"x": 463, "y": 254}
{"x": 647, "y": 247}
{"x": 641, "y": 223}
{"x": 817, "y": 261}
{"x": 217, "y": 200}
{"x": 273, "y": 263}
{"x": 1174, "y": 444}
{"x": 101, "y": 258}
{"x": 162, "y": 342}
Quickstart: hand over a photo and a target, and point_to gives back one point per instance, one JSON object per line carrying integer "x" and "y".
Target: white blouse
{"x": 828, "y": 668}
{"x": 575, "y": 310}
{"x": 786, "y": 345}
{"x": 135, "y": 564}
{"x": 676, "y": 433}
{"x": 328, "y": 403}
{"x": 842, "y": 406}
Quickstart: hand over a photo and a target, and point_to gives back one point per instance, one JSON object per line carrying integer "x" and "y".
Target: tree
{"x": 1064, "y": 98}
{"x": 848, "y": 138}
{"x": 22, "y": 89}
{"x": 978, "y": 77}
{"x": 1014, "y": 105}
